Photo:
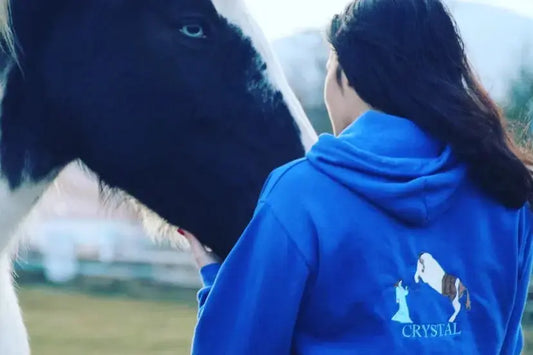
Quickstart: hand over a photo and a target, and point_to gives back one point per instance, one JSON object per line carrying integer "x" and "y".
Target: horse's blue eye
{"x": 193, "y": 31}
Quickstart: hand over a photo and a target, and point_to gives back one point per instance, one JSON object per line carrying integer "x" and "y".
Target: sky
{"x": 280, "y": 18}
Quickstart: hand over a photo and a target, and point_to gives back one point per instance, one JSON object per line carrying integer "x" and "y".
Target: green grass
{"x": 528, "y": 340}
{"x": 66, "y": 322}
{"x": 61, "y": 323}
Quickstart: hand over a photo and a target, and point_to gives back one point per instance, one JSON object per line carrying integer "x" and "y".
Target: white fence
{"x": 66, "y": 249}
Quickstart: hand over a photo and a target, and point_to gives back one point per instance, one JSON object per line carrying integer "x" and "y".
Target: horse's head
{"x": 180, "y": 103}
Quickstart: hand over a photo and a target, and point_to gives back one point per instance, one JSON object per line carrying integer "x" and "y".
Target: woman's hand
{"x": 202, "y": 256}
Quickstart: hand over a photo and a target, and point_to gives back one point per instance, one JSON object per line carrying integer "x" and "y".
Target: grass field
{"x": 62, "y": 323}
{"x": 68, "y": 323}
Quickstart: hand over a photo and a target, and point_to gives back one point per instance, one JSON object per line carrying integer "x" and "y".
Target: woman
{"x": 422, "y": 184}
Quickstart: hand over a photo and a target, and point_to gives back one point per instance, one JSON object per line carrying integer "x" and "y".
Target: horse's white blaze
{"x": 236, "y": 13}
{"x": 14, "y": 207}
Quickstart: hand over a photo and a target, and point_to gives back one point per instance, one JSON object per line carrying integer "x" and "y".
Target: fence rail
{"x": 163, "y": 266}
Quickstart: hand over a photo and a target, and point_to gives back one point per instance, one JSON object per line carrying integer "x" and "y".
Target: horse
{"x": 429, "y": 271}
{"x": 179, "y": 105}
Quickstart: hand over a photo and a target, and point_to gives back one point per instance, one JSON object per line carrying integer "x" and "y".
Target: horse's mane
{"x": 7, "y": 38}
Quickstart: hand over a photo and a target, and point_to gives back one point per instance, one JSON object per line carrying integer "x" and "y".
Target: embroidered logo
{"x": 402, "y": 316}
{"x": 431, "y": 273}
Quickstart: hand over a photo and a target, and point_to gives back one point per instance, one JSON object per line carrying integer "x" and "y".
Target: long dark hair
{"x": 406, "y": 58}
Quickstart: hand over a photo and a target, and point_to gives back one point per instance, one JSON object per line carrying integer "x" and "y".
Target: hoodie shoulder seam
{"x": 272, "y": 185}
{"x": 287, "y": 234}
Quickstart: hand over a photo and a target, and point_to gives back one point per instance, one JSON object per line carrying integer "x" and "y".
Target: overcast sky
{"x": 279, "y": 18}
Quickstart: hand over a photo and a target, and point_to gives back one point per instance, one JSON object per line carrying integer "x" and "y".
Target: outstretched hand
{"x": 202, "y": 256}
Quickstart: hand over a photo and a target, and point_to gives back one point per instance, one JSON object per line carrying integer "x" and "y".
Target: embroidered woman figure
{"x": 402, "y": 316}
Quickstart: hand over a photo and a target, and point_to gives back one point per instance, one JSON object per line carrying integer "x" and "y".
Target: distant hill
{"x": 498, "y": 42}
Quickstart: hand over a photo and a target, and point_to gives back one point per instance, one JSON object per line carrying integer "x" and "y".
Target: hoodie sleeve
{"x": 252, "y": 306}
{"x": 514, "y": 341}
{"x": 208, "y": 274}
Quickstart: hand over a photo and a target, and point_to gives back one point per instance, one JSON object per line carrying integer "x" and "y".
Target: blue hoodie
{"x": 375, "y": 243}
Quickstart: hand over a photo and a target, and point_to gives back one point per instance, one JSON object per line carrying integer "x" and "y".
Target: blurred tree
{"x": 519, "y": 106}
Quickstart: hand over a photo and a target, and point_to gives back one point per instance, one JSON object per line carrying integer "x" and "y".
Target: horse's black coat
{"x": 186, "y": 125}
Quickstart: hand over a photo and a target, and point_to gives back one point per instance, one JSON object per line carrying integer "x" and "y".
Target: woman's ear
{"x": 341, "y": 76}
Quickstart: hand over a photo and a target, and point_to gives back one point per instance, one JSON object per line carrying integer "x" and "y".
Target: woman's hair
{"x": 406, "y": 58}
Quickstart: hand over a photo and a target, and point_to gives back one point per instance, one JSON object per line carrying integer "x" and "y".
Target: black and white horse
{"x": 178, "y": 103}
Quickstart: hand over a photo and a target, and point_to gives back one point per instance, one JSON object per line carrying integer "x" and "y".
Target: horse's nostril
{"x": 264, "y": 67}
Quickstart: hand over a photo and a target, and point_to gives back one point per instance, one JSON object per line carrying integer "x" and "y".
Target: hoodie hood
{"x": 393, "y": 164}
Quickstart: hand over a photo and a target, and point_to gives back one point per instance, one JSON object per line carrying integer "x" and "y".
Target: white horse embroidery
{"x": 430, "y": 271}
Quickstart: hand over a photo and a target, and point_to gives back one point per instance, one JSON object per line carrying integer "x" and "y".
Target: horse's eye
{"x": 193, "y": 31}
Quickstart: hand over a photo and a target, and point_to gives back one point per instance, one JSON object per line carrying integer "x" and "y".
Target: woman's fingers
{"x": 201, "y": 256}
{"x": 196, "y": 246}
